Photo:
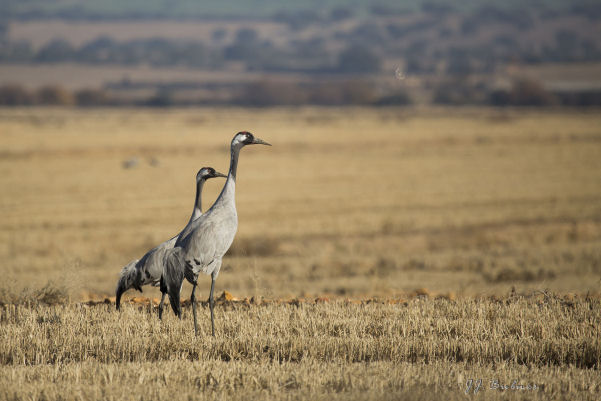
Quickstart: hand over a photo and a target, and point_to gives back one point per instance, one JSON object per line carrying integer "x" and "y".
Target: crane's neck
{"x": 235, "y": 153}
{"x": 228, "y": 194}
{"x": 198, "y": 201}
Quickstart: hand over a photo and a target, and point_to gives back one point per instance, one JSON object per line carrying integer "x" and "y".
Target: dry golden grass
{"x": 420, "y": 349}
{"x": 348, "y": 203}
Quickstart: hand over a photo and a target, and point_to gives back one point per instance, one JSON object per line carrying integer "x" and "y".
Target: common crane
{"x": 201, "y": 246}
{"x": 149, "y": 268}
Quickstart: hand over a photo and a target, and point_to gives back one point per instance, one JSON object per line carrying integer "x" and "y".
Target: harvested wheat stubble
{"x": 240, "y": 380}
{"x": 420, "y": 349}
{"x": 431, "y": 210}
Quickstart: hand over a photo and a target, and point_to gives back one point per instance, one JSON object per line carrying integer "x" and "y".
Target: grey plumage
{"x": 149, "y": 268}
{"x": 202, "y": 244}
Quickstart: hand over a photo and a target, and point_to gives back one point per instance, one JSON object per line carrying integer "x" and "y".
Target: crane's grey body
{"x": 208, "y": 239}
{"x": 149, "y": 269}
{"x": 203, "y": 243}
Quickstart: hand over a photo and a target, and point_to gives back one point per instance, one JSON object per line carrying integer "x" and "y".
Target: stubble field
{"x": 390, "y": 254}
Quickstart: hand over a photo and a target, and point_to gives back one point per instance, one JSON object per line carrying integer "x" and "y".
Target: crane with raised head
{"x": 149, "y": 268}
{"x": 203, "y": 243}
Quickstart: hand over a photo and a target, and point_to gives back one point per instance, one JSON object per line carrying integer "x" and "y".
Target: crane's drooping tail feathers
{"x": 127, "y": 280}
{"x": 173, "y": 276}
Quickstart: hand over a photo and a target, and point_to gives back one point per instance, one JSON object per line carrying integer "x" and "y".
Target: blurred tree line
{"x": 344, "y": 52}
{"x": 16, "y": 95}
{"x": 262, "y": 93}
{"x": 523, "y": 92}
{"x": 259, "y": 93}
{"x": 255, "y": 54}
{"x": 437, "y": 38}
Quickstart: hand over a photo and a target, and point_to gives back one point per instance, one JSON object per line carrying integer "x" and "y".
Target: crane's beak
{"x": 218, "y": 174}
{"x": 258, "y": 141}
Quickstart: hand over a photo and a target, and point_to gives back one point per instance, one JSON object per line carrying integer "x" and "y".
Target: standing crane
{"x": 202, "y": 244}
{"x": 149, "y": 268}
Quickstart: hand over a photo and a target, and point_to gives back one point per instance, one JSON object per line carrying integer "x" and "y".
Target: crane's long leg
{"x": 161, "y": 306}
{"x": 212, "y": 304}
{"x": 193, "y": 299}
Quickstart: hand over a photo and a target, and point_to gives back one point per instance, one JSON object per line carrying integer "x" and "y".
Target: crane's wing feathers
{"x": 173, "y": 275}
{"x": 150, "y": 266}
{"x": 207, "y": 241}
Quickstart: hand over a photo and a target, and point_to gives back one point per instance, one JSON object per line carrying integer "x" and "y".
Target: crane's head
{"x": 244, "y": 138}
{"x": 208, "y": 172}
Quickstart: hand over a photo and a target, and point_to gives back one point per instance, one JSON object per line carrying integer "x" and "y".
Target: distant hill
{"x": 264, "y": 52}
{"x": 161, "y": 9}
